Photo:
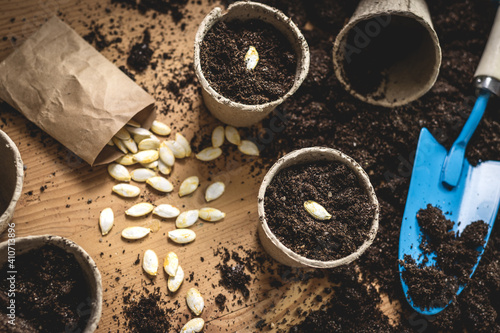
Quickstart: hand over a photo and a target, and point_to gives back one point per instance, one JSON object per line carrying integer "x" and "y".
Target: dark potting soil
{"x": 223, "y": 61}
{"x": 334, "y": 186}
{"x": 140, "y": 55}
{"x": 51, "y": 294}
{"x": 436, "y": 285}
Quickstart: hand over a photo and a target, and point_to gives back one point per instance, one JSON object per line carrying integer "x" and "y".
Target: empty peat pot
{"x": 332, "y": 179}
{"x": 50, "y": 263}
{"x": 388, "y": 54}
{"x": 11, "y": 179}
{"x": 246, "y": 114}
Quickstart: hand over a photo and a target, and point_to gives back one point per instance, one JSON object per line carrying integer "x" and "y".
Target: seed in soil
{"x": 150, "y": 262}
{"x": 133, "y": 233}
{"x": 142, "y": 174}
{"x": 232, "y": 135}
{"x": 179, "y": 138}
{"x": 209, "y": 154}
{"x": 166, "y": 211}
{"x": 119, "y": 172}
{"x": 247, "y": 147}
{"x": 160, "y": 128}
{"x": 182, "y": 236}
{"x": 174, "y": 282}
{"x": 251, "y": 58}
{"x": 194, "y": 325}
{"x": 106, "y": 219}
{"x": 126, "y": 190}
{"x": 214, "y": 191}
{"x": 189, "y": 185}
{"x": 187, "y": 219}
{"x": 316, "y": 210}
{"x": 171, "y": 263}
{"x": 161, "y": 184}
{"x": 195, "y": 301}
{"x": 140, "y": 209}
{"x": 218, "y": 136}
{"x": 146, "y": 156}
{"x": 211, "y": 214}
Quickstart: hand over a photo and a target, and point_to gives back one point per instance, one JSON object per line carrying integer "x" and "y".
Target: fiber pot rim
{"x": 89, "y": 267}
{"x": 213, "y": 17}
{"x": 8, "y": 214}
{"x": 284, "y": 254}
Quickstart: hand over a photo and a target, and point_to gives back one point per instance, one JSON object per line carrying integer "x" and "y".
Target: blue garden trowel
{"x": 447, "y": 180}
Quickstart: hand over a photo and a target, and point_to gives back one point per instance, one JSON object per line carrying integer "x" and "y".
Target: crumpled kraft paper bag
{"x": 68, "y": 89}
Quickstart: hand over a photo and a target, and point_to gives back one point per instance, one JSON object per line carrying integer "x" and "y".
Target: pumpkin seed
{"x": 195, "y": 325}
{"x": 127, "y": 159}
{"x": 161, "y": 184}
{"x": 160, "y": 128}
{"x": 167, "y": 156}
{"x": 133, "y": 123}
{"x": 188, "y": 186}
{"x": 214, "y": 191}
{"x": 138, "y": 131}
{"x": 251, "y": 58}
{"x": 247, "y": 147}
{"x": 187, "y": 219}
{"x": 154, "y": 225}
{"x": 119, "y": 172}
{"x": 218, "y": 136}
{"x": 177, "y": 149}
{"x": 209, "y": 154}
{"x": 126, "y": 190}
{"x": 232, "y": 135}
{"x": 140, "y": 209}
{"x": 106, "y": 220}
{"x": 152, "y": 166}
{"x": 133, "y": 233}
{"x": 146, "y": 156}
{"x": 163, "y": 168}
{"x": 150, "y": 262}
{"x": 166, "y": 211}
{"x": 110, "y": 143}
{"x": 211, "y": 214}
{"x": 131, "y": 145}
{"x": 123, "y": 134}
{"x": 174, "y": 282}
{"x": 171, "y": 263}
{"x": 138, "y": 138}
{"x": 182, "y": 236}
{"x": 316, "y": 210}
{"x": 195, "y": 301}
{"x": 184, "y": 143}
{"x": 120, "y": 145}
{"x": 149, "y": 144}
{"x": 142, "y": 174}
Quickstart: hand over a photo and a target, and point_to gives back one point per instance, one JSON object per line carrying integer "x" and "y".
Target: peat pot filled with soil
{"x": 317, "y": 208}
{"x": 57, "y": 286}
{"x": 248, "y": 60}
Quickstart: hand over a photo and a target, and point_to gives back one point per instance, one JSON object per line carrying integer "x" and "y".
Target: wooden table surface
{"x": 63, "y": 195}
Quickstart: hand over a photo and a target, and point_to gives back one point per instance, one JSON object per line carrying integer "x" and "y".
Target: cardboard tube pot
{"x": 389, "y": 53}
{"x": 11, "y": 179}
{"x": 89, "y": 268}
{"x": 271, "y": 243}
{"x": 238, "y": 114}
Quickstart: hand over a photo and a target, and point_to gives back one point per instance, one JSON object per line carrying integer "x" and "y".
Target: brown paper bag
{"x": 68, "y": 89}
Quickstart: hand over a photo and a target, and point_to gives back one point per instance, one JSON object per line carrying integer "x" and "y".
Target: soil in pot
{"x": 335, "y": 187}
{"x": 223, "y": 61}
{"x": 51, "y": 293}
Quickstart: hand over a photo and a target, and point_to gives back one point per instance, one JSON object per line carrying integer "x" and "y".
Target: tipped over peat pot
{"x": 243, "y": 79}
{"x": 57, "y": 285}
{"x": 295, "y": 237}
{"x": 11, "y": 179}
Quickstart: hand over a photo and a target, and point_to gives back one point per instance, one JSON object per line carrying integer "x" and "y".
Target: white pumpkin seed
{"x": 316, "y": 210}
{"x": 123, "y": 134}
{"x": 187, "y": 219}
{"x": 133, "y": 123}
{"x": 251, "y": 58}
{"x": 177, "y": 149}
{"x": 195, "y": 325}
{"x": 150, "y": 262}
{"x": 184, "y": 143}
{"x": 171, "y": 263}
{"x": 214, "y": 191}
{"x": 163, "y": 168}
{"x": 167, "y": 156}
{"x": 211, "y": 214}
{"x": 127, "y": 159}
{"x": 119, "y": 172}
{"x": 166, "y": 211}
{"x": 133, "y": 233}
{"x": 106, "y": 220}
{"x": 188, "y": 186}
{"x": 149, "y": 144}
{"x": 126, "y": 190}
{"x": 195, "y": 301}
{"x": 120, "y": 145}
{"x": 140, "y": 209}
{"x": 247, "y": 147}
{"x": 218, "y": 136}
{"x": 160, "y": 128}
{"x": 174, "y": 282}
{"x": 138, "y": 138}
{"x": 146, "y": 156}
{"x": 152, "y": 166}
{"x": 182, "y": 236}
{"x": 138, "y": 131}
{"x": 142, "y": 174}
{"x": 232, "y": 135}
{"x": 209, "y": 154}
{"x": 131, "y": 145}
{"x": 161, "y": 184}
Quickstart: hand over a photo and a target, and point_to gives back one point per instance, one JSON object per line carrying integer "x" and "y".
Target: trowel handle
{"x": 488, "y": 72}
